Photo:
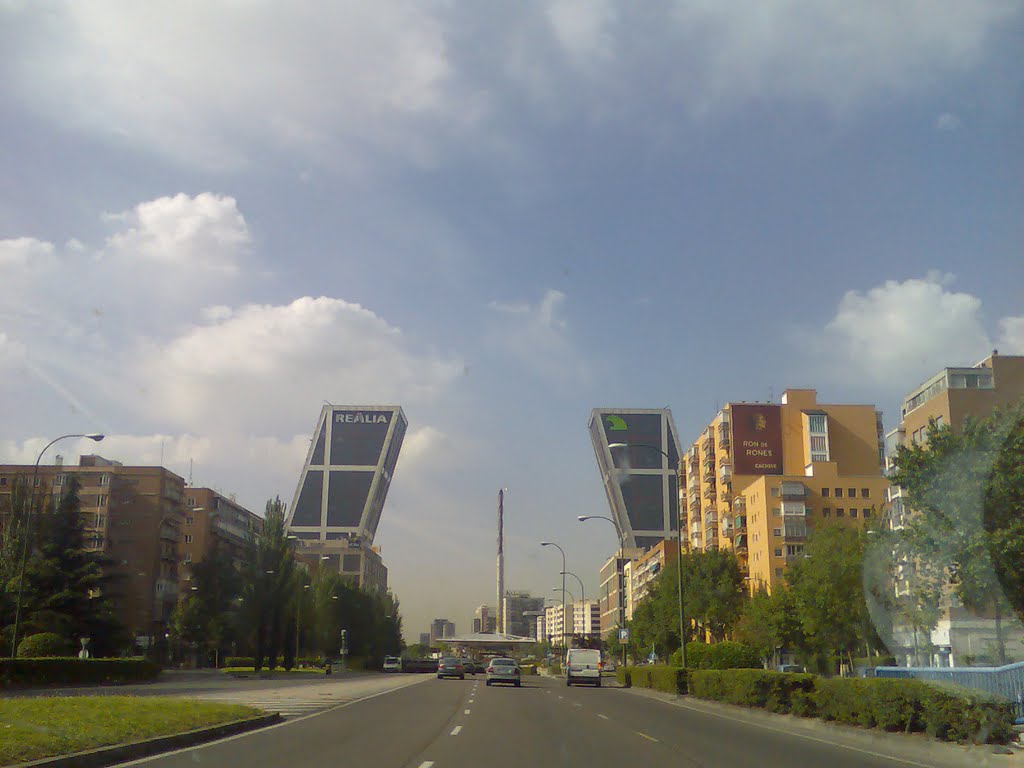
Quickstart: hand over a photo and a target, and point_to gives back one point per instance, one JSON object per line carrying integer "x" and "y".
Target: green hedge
{"x": 946, "y": 712}
{"x": 43, "y": 645}
{"x": 659, "y": 677}
{"x": 74, "y": 671}
{"x": 724, "y": 655}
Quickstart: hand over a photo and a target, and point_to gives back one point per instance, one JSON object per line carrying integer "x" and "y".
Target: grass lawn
{"x": 34, "y": 728}
{"x": 278, "y": 672}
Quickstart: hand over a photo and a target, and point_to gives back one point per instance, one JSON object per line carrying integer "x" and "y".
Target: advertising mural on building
{"x": 756, "y": 439}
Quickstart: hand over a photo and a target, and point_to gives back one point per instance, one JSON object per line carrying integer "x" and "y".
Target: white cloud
{"x": 274, "y": 364}
{"x": 205, "y": 233}
{"x": 947, "y": 122}
{"x": 215, "y": 84}
{"x": 538, "y": 338}
{"x": 1011, "y": 335}
{"x": 894, "y": 335}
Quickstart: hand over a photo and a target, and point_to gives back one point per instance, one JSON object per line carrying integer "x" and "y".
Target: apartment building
{"x": 518, "y": 609}
{"x": 949, "y": 398}
{"x": 639, "y": 573}
{"x": 358, "y": 561}
{"x": 133, "y": 517}
{"x": 581, "y": 618}
{"x": 215, "y": 522}
{"x": 613, "y": 594}
{"x": 761, "y": 476}
{"x": 485, "y": 620}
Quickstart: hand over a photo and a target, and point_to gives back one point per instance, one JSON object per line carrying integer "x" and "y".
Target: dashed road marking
{"x": 465, "y": 711}
{"x": 645, "y": 736}
{"x": 603, "y": 717}
{"x": 427, "y": 764}
{"x": 456, "y": 730}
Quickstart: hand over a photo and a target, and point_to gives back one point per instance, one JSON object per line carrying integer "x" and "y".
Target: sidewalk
{"x": 912, "y": 748}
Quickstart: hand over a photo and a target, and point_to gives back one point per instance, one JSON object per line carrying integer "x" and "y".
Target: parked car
{"x": 791, "y": 668}
{"x": 583, "y": 665}
{"x": 502, "y": 670}
{"x": 449, "y": 666}
{"x": 392, "y": 664}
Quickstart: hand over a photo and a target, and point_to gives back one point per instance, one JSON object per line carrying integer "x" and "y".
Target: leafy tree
{"x": 966, "y": 492}
{"x": 270, "y": 588}
{"x": 65, "y": 588}
{"x": 827, "y": 597}
{"x": 207, "y": 617}
{"x": 767, "y": 622}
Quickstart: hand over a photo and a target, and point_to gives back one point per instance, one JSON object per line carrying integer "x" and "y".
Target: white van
{"x": 583, "y": 665}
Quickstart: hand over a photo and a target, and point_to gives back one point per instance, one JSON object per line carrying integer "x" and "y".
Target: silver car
{"x": 504, "y": 671}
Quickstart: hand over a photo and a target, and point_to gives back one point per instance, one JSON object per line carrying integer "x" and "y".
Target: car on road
{"x": 449, "y": 666}
{"x": 469, "y": 665}
{"x": 502, "y": 670}
{"x": 583, "y": 665}
{"x": 392, "y": 664}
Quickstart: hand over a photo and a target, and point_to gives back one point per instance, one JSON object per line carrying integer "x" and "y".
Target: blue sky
{"x": 215, "y": 216}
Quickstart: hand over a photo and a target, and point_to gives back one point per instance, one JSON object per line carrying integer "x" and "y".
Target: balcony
{"x": 725, "y": 494}
{"x": 791, "y": 489}
{"x": 740, "y": 544}
{"x": 709, "y": 536}
{"x": 710, "y": 493}
{"x": 167, "y": 533}
{"x": 709, "y": 474}
{"x": 794, "y": 509}
{"x": 793, "y": 532}
{"x": 740, "y": 523}
{"x": 710, "y": 519}
{"x": 695, "y": 529}
{"x": 725, "y": 473}
{"x": 695, "y": 503}
{"x": 739, "y": 505}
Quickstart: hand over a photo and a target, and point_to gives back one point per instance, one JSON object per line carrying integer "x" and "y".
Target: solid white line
{"x": 204, "y": 745}
{"x": 605, "y": 717}
{"x": 645, "y": 736}
{"x": 456, "y": 730}
{"x": 426, "y": 764}
{"x": 466, "y": 711}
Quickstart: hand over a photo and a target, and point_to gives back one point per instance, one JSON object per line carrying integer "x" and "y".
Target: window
{"x": 865, "y": 493}
{"x": 191, "y": 501}
{"x": 939, "y": 421}
{"x": 778, "y": 553}
{"x": 188, "y": 559}
{"x": 59, "y": 479}
{"x": 189, "y": 520}
{"x": 778, "y": 571}
{"x": 840, "y": 512}
{"x": 839, "y": 493}
{"x": 793, "y": 550}
{"x": 775, "y": 492}
{"x": 817, "y": 423}
{"x": 3, "y": 481}
{"x": 867, "y": 513}
{"x": 818, "y": 444}
{"x": 851, "y": 492}
{"x": 101, "y": 500}
{"x": 825, "y": 512}
{"x": 101, "y": 520}
{"x": 853, "y": 511}
{"x": 775, "y": 532}
{"x": 188, "y": 540}
{"x": 776, "y": 512}
{"x": 104, "y": 479}
{"x": 824, "y": 493}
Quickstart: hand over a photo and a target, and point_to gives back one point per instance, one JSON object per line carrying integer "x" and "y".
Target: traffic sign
{"x": 624, "y": 635}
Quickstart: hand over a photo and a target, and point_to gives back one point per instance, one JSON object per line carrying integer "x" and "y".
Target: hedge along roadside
{"x": 71, "y": 671}
{"x": 946, "y": 712}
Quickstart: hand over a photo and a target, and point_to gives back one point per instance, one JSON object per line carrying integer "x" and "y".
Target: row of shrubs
{"x": 724, "y": 655}
{"x": 249, "y": 661}
{"x": 946, "y": 712}
{"x": 74, "y": 671}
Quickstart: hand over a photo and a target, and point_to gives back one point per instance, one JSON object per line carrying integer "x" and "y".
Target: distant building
{"x": 516, "y": 604}
{"x": 425, "y": 639}
{"x": 485, "y": 620}
{"x": 357, "y": 561}
{"x": 641, "y": 572}
{"x": 440, "y": 629}
{"x": 583, "y": 620}
{"x": 613, "y": 597}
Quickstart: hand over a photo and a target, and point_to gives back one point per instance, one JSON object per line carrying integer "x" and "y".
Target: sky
{"x": 215, "y": 216}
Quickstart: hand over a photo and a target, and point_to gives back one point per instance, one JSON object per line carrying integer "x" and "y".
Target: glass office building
{"x": 640, "y": 480}
{"x": 347, "y": 473}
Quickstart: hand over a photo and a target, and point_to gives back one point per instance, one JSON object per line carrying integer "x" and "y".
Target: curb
{"x": 119, "y": 753}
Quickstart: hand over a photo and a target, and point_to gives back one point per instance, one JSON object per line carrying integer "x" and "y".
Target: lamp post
{"x": 618, "y": 569}
{"x": 26, "y": 533}
{"x": 553, "y": 544}
{"x": 679, "y": 558}
{"x": 583, "y": 600}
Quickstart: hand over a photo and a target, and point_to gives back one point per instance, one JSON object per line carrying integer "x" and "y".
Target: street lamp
{"x": 679, "y": 558}
{"x": 27, "y": 532}
{"x": 618, "y": 568}
{"x": 553, "y": 544}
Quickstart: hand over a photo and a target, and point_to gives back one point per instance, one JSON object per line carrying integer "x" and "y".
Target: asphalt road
{"x": 434, "y": 723}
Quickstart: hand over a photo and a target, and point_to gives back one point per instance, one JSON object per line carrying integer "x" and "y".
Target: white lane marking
{"x": 560, "y": 698}
{"x": 456, "y": 730}
{"x": 645, "y": 736}
{"x": 466, "y": 711}
{"x": 576, "y": 704}
{"x": 882, "y": 755}
{"x": 603, "y": 717}
{"x": 427, "y": 764}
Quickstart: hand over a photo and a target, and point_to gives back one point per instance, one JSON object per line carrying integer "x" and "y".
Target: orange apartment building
{"x": 762, "y": 476}
{"x": 215, "y": 522}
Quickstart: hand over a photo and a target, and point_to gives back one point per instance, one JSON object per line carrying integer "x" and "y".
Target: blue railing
{"x": 1006, "y": 682}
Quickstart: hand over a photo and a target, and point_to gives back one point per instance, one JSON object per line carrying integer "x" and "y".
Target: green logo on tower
{"x": 616, "y": 423}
